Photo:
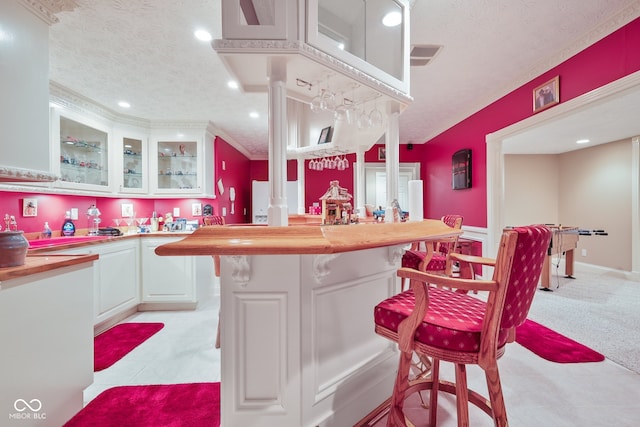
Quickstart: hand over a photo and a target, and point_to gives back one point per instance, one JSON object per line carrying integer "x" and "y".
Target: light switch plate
{"x": 176, "y": 212}
{"x": 74, "y": 213}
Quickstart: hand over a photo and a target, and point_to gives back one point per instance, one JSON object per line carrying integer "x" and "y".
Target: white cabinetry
{"x": 167, "y": 282}
{"x": 132, "y": 160}
{"x": 47, "y": 344}
{"x": 80, "y": 150}
{"x": 116, "y": 280}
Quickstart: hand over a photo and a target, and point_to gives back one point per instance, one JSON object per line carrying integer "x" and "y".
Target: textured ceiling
{"x": 143, "y": 51}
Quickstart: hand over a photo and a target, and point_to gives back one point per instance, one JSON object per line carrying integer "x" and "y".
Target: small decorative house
{"x": 336, "y": 205}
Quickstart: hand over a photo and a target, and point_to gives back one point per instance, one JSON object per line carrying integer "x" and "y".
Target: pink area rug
{"x": 167, "y": 405}
{"x": 113, "y": 344}
{"x": 552, "y": 346}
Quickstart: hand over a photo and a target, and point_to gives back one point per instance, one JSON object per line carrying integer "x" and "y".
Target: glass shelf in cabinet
{"x": 82, "y": 166}
{"x": 73, "y": 143}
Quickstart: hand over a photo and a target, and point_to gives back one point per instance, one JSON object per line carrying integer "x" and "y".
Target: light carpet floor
{"x": 599, "y": 308}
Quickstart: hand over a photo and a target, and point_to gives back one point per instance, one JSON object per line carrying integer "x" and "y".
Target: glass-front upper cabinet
{"x": 84, "y": 154}
{"x": 178, "y": 166}
{"x": 134, "y": 165}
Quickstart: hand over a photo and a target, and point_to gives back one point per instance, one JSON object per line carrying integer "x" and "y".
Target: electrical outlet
{"x": 74, "y": 214}
{"x": 584, "y": 252}
{"x": 176, "y": 212}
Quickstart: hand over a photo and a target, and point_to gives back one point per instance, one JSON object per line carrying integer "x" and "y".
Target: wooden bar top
{"x": 304, "y": 239}
{"x": 42, "y": 263}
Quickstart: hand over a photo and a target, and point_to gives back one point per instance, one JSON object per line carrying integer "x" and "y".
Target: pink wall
{"x": 52, "y": 208}
{"x": 612, "y": 58}
{"x": 234, "y": 175}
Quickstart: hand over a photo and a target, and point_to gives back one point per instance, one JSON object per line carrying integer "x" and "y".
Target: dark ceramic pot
{"x": 13, "y": 248}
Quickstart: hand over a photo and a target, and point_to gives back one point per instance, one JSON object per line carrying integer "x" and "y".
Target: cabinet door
{"x": 83, "y": 152}
{"x": 118, "y": 287}
{"x": 178, "y": 167}
{"x": 134, "y": 165}
{"x": 116, "y": 277}
{"x": 166, "y": 279}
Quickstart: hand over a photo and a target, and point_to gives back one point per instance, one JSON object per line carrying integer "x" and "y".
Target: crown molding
{"x": 47, "y": 9}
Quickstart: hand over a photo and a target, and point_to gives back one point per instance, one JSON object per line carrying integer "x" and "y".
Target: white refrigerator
{"x": 260, "y": 200}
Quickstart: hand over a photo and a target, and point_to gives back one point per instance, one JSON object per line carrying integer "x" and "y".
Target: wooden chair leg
{"x": 495, "y": 396}
{"x": 396, "y": 414}
{"x": 433, "y": 396}
{"x": 462, "y": 395}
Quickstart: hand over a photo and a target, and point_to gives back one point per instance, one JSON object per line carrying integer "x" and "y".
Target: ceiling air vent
{"x": 422, "y": 54}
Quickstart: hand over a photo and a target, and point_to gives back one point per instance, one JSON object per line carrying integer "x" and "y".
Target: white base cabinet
{"x": 167, "y": 282}
{"x": 116, "y": 278}
{"x": 47, "y": 346}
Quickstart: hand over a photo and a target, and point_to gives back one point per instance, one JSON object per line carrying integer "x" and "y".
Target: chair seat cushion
{"x": 412, "y": 259}
{"x": 453, "y": 320}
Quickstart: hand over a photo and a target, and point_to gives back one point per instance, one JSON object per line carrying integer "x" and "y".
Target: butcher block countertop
{"x": 43, "y": 263}
{"x": 304, "y": 239}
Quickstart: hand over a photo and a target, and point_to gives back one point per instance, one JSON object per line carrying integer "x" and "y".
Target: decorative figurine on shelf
{"x": 336, "y": 205}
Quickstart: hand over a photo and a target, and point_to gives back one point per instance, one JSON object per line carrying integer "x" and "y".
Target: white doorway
{"x": 375, "y": 183}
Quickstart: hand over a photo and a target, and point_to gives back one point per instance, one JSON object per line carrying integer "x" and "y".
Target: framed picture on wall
{"x": 30, "y": 207}
{"x": 325, "y": 135}
{"x": 546, "y": 95}
{"x": 382, "y": 153}
{"x": 461, "y": 169}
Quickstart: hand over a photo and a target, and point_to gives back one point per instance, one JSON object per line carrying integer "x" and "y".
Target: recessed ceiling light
{"x": 232, "y": 84}
{"x": 124, "y": 104}
{"x": 392, "y": 19}
{"x": 341, "y": 46}
{"x": 203, "y": 35}
{"x": 254, "y": 115}
{"x": 582, "y": 141}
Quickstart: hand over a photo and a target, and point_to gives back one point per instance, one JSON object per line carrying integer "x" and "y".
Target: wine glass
{"x": 316, "y": 102}
{"x": 141, "y": 222}
{"x": 375, "y": 117}
{"x": 363, "y": 121}
{"x": 129, "y": 221}
{"x": 341, "y": 112}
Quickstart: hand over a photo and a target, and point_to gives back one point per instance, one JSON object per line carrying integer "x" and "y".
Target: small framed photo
{"x": 30, "y": 207}
{"x": 196, "y": 209}
{"x": 382, "y": 153}
{"x": 546, "y": 95}
{"x": 127, "y": 210}
{"x": 325, "y": 135}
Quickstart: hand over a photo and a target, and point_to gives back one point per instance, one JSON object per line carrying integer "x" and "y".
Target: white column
{"x": 359, "y": 184}
{"x": 635, "y": 208}
{"x": 302, "y": 209}
{"x": 277, "y": 213}
{"x": 392, "y": 147}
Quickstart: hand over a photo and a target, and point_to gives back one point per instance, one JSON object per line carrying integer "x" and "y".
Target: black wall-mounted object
{"x": 461, "y": 169}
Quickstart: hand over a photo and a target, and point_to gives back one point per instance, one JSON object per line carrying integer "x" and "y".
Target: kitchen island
{"x": 297, "y": 338}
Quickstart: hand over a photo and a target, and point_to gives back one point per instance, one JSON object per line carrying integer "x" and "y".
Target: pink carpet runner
{"x": 552, "y": 346}
{"x": 113, "y": 344}
{"x": 167, "y": 405}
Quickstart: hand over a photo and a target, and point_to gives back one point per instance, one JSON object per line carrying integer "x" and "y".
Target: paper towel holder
{"x": 461, "y": 169}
